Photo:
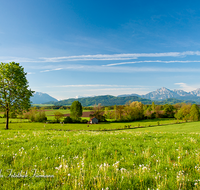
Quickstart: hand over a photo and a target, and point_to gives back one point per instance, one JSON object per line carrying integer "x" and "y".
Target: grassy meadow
{"x": 70, "y": 156}
{"x": 50, "y": 113}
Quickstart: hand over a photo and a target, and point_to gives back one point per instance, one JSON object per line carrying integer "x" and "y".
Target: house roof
{"x": 93, "y": 118}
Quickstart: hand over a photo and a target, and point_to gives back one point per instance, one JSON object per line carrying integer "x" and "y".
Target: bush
{"x": 41, "y": 117}
{"x": 68, "y": 120}
{"x": 32, "y": 118}
{"x": 76, "y": 120}
{"x": 84, "y": 121}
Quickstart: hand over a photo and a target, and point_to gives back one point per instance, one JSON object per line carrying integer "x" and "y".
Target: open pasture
{"x": 17, "y": 124}
{"x": 159, "y": 157}
{"x": 50, "y": 113}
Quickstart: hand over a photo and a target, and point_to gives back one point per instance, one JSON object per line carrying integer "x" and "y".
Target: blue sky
{"x": 73, "y": 48}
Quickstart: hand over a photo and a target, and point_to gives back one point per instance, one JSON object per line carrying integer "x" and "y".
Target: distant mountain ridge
{"x": 106, "y": 100}
{"x": 160, "y": 96}
{"x": 41, "y": 98}
{"x": 109, "y": 100}
{"x": 164, "y": 93}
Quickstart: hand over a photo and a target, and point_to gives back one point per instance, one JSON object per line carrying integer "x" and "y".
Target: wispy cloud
{"x": 151, "y": 61}
{"x": 124, "y": 69}
{"x": 16, "y": 59}
{"x": 101, "y": 57}
{"x": 30, "y": 73}
{"x": 185, "y": 87}
{"x": 118, "y": 56}
{"x": 56, "y": 69}
{"x": 97, "y": 68}
{"x": 90, "y": 85}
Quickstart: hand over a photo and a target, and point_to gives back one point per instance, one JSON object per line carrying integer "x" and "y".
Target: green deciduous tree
{"x": 14, "y": 89}
{"x": 134, "y": 111}
{"x": 98, "y": 113}
{"x": 194, "y": 113}
{"x": 58, "y": 115}
{"x": 168, "y": 110}
{"x": 76, "y": 110}
{"x": 184, "y": 112}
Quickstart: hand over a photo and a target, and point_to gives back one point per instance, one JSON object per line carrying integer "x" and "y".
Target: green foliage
{"x": 68, "y": 120}
{"x": 133, "y": 111}
{"x": 168, "y": 110}
{"x": 148, "y": 112}
{"x": 194, "y": 113}
{"x": 119, "y": 113}
{"x": 58, "y": 115}
{"x": 153, "y": 106}
{"x": 184, "y": 112}
{"x": 107, "y": 114}
{"x": 158, "y": 112}
{"x": 36, "y": 115}
{"x": 14, "y": 89}
{"x": 84, "y": 120}
{"x": 76, "y": 110}
{"x": 98, "y": 113}
{"x": 40, "y": 117}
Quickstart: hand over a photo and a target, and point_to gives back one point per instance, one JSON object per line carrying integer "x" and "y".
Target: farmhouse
{"x": 93, "y": 120}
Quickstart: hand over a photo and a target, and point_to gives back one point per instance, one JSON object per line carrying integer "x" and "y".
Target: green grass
{"x": 81, "y": 126}
{"x": 13, "y": 120}
{"x": 50, "y": 113}
{"x": 42, "y": 105}
{"x": 157, "y": 157}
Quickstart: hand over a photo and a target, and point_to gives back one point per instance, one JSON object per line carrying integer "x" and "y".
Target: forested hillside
{"x": 109, "y": 100}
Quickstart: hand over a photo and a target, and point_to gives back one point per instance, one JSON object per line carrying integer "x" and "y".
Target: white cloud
{"x": 15, "y": 59}
{"x": 56, "y": 69}
{"x": 125, "y": 69}
{"x": 185, "y": 87}
{"x": 90, "y": 85}
{"x": 102, "y": 57}
{"x": 151, "y": 61}
{"x": 118, "y": 56}
{"x": 30, "y": 73}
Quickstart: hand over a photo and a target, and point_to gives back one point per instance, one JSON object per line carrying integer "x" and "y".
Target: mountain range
{"x": 40, "y": 98}
{"x": 165, "y": 93}
{"x": 109, "y": 100}
{"x": 160, "y": 96}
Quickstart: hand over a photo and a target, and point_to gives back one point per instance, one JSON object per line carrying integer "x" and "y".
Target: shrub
{"x": 68, "y": 120}
{"x": 41, "y": 117}
{"x": 84, "y": 121}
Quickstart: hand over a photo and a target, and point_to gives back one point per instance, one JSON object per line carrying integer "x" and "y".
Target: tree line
{"x": 138, "y": 111}
{"x": 132, "y": 111}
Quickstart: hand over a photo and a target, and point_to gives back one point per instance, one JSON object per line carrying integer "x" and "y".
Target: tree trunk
{"x": 7, "y": 118}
